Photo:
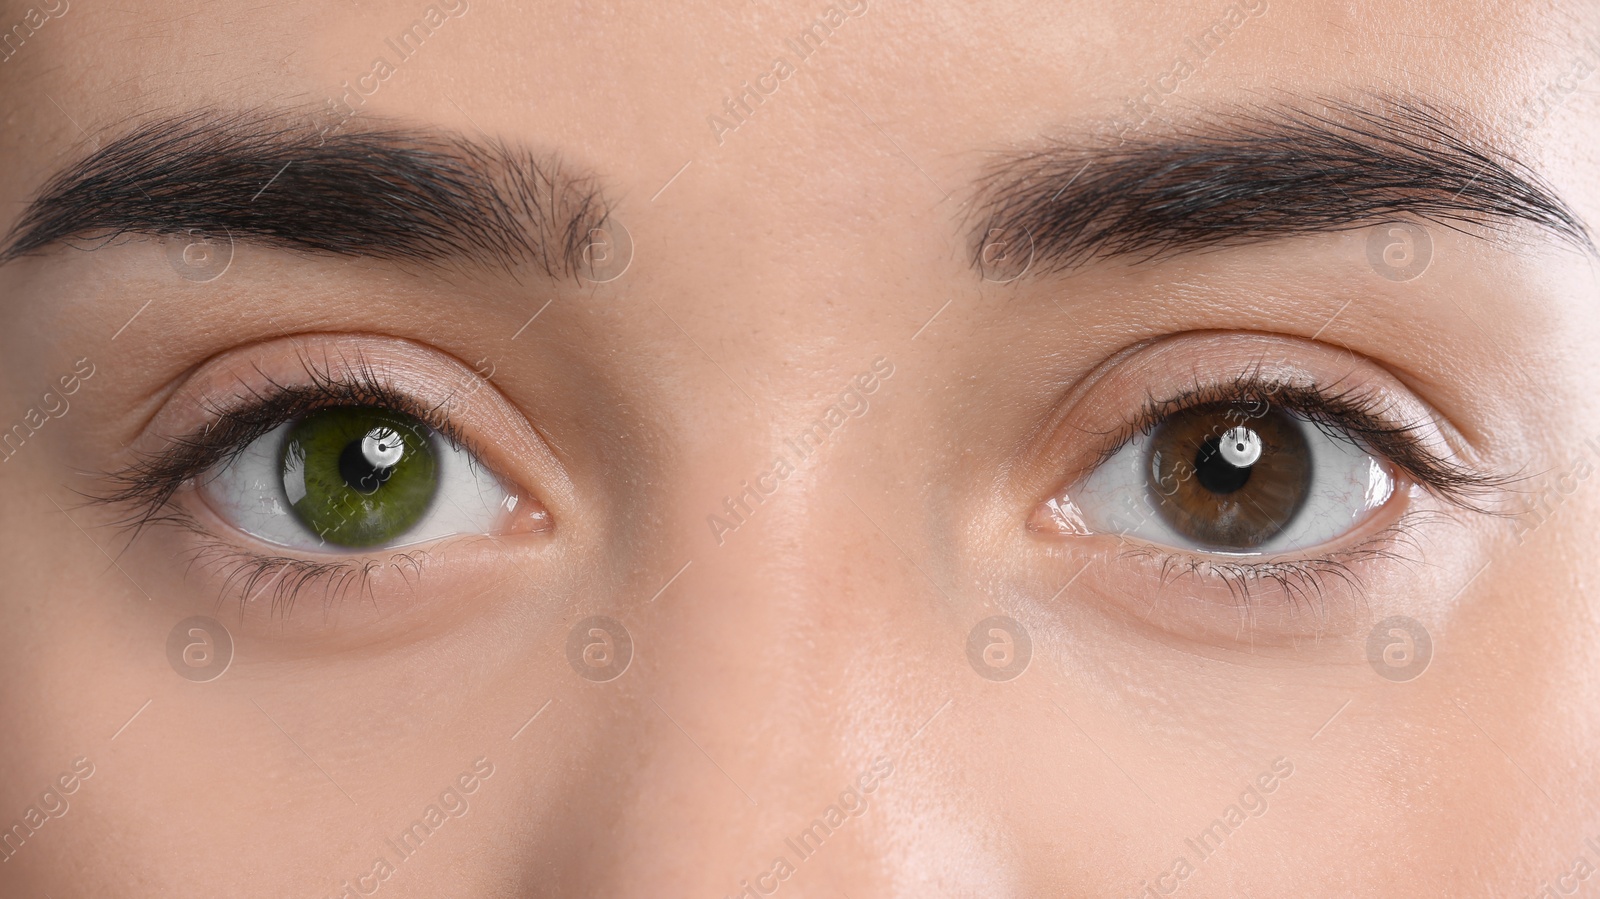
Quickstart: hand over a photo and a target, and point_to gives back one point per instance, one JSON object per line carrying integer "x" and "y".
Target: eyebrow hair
{"x": 379, "y": 190}
{"x": 1256, "y": 175}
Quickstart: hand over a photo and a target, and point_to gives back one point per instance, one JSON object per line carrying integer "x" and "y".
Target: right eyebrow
{"x": 381, "y": 190}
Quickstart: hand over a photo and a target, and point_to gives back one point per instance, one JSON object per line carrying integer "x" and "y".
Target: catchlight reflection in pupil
{"x": 367, "y": 464}
{"x": 1229, "y": 479}
{"x": 359, "y": 476}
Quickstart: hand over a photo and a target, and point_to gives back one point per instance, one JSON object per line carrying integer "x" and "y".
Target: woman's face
{"x": 1100, "y": 449}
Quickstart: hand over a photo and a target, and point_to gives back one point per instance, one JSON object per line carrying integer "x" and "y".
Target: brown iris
{"x": 1229, "y": 476}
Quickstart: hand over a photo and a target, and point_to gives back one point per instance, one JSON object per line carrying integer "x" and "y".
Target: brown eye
{"x": 1229, "y": 476}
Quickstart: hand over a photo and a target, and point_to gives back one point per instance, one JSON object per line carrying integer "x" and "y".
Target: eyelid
{"x": 289, "y": 372}
{"x": 1208, "y": 597}
{"x": 1330, "y": 386}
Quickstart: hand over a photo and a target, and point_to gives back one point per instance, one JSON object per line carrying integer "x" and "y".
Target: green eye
{"x": 358, "y": 475}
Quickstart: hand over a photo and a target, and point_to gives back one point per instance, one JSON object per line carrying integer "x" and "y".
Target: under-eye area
{"x": 1273, "y": 473}
{"x": 799, "y": 450}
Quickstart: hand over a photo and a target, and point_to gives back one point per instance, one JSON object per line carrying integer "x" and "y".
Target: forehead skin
{"x": 772, "y": 263}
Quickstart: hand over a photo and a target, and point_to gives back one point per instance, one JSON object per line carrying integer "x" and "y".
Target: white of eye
{"x": 253, "y": 493}
{"x": 1347, "y": 485}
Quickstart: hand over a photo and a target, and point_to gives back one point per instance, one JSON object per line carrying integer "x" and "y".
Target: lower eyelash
{"x": 1302, "y": 583}
{"x": 248, "y": 575}
{"x": 148, "y": 488}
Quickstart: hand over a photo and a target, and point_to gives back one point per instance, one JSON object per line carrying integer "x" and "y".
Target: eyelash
{"x": 148, "y": 485}
{"x": 1301, "y": 581}
{"x": 1351, "y": 414}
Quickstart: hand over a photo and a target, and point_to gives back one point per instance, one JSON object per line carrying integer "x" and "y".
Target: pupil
{"x": 359, "y": 476}
{"x": 1229, "y": 488}
{"x": 1216, "y": 473}
{"x": 359, "y": 472}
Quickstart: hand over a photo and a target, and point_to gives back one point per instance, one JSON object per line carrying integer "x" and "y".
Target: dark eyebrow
{"x": 379, "y": 190}
{"x": 1250, "y": 176}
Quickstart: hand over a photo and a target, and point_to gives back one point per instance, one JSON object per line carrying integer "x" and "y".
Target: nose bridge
{"x": 769, "y": 661}
{"x": 766, "y": 718}
{"x": 803, "y": 458}
{"x": 767, "y": 654}
{"x": 757, "y": 630}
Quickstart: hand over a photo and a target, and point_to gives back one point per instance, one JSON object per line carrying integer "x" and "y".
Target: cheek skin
{"x": 832, "y": 628}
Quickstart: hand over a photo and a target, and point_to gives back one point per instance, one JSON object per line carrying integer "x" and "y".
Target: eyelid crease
{"x": 1350, "y": 414}
{"x": 147, "y": 485}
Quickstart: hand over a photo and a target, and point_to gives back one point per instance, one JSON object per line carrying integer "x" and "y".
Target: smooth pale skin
{"x": 826, "y": 631}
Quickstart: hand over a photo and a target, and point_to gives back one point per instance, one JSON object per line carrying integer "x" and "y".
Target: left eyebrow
{"x": 1243, "y": 178}
{"x": 379, "y": 190}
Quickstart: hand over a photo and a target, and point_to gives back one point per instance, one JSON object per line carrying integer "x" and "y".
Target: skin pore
{"x": 1209, "y": 192}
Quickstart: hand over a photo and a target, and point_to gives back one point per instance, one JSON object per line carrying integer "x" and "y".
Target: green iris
{"x": 358, "y": 475}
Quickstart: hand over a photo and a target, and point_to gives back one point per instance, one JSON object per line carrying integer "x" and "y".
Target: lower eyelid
{"x": 288, "y": 592}
{"x": 283, "y": 597}
{"x": 271, "y": 581}
{"x": 1254, "y": 605}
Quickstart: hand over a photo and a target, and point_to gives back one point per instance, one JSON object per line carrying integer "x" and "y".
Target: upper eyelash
{"x": 146, "y": 485}
{"x": 1353, "y": 415}
{"x": 1349, "y": 414}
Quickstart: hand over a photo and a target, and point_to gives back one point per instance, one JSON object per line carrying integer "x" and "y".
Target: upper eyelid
{"x": 149, "y": 482}
{"x": 1152, "y": 412}
{"x": 1352, "y": 413}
